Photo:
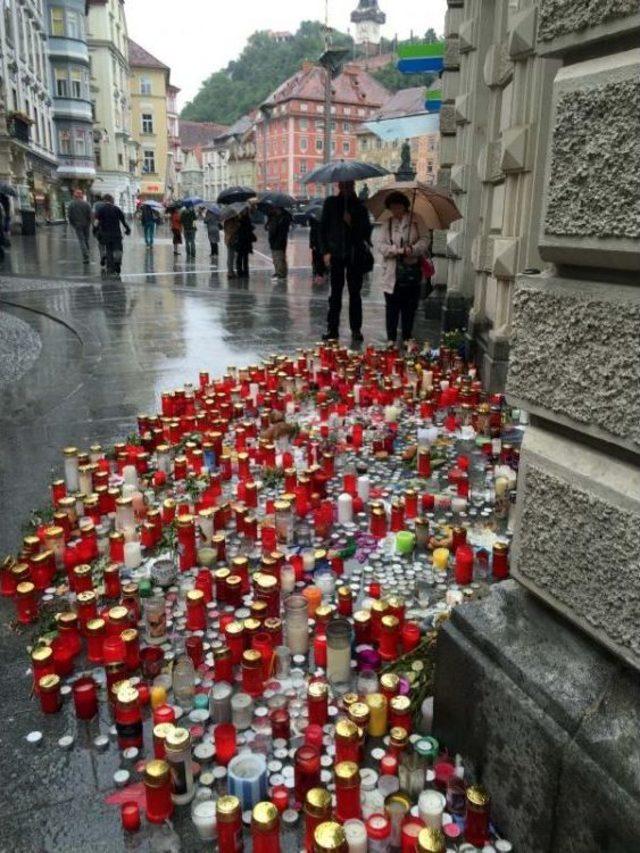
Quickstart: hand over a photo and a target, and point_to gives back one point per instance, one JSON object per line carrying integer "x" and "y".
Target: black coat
{"x": 336, "y": 237}
{"x": 278, "y": 230}
{"x": 245, "y": 236}
{"x": 109, "y": 218}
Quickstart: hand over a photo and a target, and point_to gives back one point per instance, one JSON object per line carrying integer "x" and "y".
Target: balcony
{"x": 18, "y": 125}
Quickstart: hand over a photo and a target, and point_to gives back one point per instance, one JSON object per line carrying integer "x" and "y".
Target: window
{"x": 120, "y": 160}
{"x": 303, "y": 123}
{"x": 347, "y": 111}
{"x": 304, "y": 143}
{"x": 63, "y": 142}
{"x": 319, "y": 108}
{"x": 429, "y": 167}
{"x": 145, "y": 86}
{"x": 346, "y": 147}
{"x": 319, "y": 125}
{"x": 304, "y": 107}
{"x": 319, "y": 145}
{"x": 346, "y": 127}
{"x": 72, "y": 25}
{"x": 97, "y": 156}
{"x": 148, "y": 162}
{"x": 147, "y": 122}
{"x": 333, "y": 146}
{"x": 94, "y": 112}
{"x": 303, "y": 167}
{"x": 76, "y": 84}
{"x": 8, "y": 21}
{"x": 79, "y": 143}
{"x": 57, "y": 21}
{"x": 14, "y": 95}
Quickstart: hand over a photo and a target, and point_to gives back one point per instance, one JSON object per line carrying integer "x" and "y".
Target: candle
{"x": 71, "y": 468}
{"x": 431, "y": 805}
{"x": 464, "y": 565}
{"x": 356, "y": 835}
{"x": 345, "y": 508}
{"x": 157, "y": 788}
{"x": 377, "y": 703}
{"x": 306, "y": 764}
{"x": 441, "y": 559}
{"x": 224, "y": 736}
{"x": 364, "y": 488}
{"x": 476, "y": 823}
{"x": 85, "y": 698}
{"x": 203, "y": 815}
{"x": 229, "y": 824}
{"x": 339, "y": 653}
{"x": 265, "y": 828}
{"x": 296, "y": 624}
{"x": 132, "y": 555}
{"x": 130, "y": 816}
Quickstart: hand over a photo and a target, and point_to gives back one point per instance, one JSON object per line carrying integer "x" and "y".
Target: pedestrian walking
{"x": 345, "y": 235}
{"x": 109, "y": 218}
{"x": 231, "y": 227}
{"x": 402, "y": 249}
{"x": 278, "y": 224}
{"x": 212, "y": 221}
{"x": 317, "y": 259}
{"x": 245, "y": 239}
{"x": 188, "y": 217}
{"x": 176, "y": 230}
{"x": 79, "y": 215}
{"x": 149, "y": 219}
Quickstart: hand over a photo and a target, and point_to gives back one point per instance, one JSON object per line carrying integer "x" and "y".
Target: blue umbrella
{"x": 194, "y": 200}
{"x": 213, "y": 208}
{"x": 155, "y": 205}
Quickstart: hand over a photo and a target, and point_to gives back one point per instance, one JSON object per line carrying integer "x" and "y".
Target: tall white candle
{"x": 356, "y": 834}
{"x": 427, "y": 379}
{"x": 204, "y": 818}
{"x": 364, "y": 487}
{"x": 287, "y": 578}
{"x": 71, "y": 472}
{"x": 431, "y": 804}
{"x": 130, "y": 475}
{"x": 345, "y": 508}
{"x": 132, "y": 555}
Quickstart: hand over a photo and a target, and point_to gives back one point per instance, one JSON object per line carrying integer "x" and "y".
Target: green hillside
{"x": 264, "y": 64}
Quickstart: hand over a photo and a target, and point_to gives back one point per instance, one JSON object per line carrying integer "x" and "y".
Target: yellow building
{"x": 149, "y": 85}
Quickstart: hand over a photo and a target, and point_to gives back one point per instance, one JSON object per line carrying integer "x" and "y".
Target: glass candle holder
{"x": 347, "y": 782}
{"x": 296, "y": 624}
{"x": 476, "y": 824}
{"x": 339, "y": 635}
{"x": 317, "y": 810}
{"x": 49, "y": 692}
{"x": 224, "y": 736}
{"x": 229, "y": 824}
{"x": 265, "y": 828}
{"x": 157, "y": 789}
{"x": 241, "y": 710}
{"x": 306, "y": 765}
{"x": 85, "y": 698}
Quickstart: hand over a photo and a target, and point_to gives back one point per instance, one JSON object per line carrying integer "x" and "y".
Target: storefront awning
{"x": 405, "y": 127}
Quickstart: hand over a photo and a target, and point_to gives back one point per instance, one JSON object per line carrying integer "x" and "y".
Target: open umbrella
{"x": 233, "y": 210}
{"x": 344, "y": 170}
{"x": 155, "y": 205}
{"x": 435, "y": 209}
{"x": 7, "y": 189}
{"x": 213, "y": 208}
{"x": 275, "y": 199}
{"x": 233, "y": 194}
{"x": 314, "y": 210}
{"x": 195, "y": 200}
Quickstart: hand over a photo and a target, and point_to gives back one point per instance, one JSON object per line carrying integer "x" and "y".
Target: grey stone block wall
{"x": 575, "y": 355}
{"x": 568, "y": 24}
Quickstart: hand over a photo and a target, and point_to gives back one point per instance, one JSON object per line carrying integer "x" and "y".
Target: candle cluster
{"x": 257, "y": 581}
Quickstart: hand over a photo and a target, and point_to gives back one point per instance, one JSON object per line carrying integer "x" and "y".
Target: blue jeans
{"x": 149, "y": 232}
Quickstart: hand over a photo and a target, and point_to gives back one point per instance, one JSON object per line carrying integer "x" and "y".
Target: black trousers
{"x": 317, "y": 262}
{"x": 242, "y": 263}
{"x": 341, "y": 269}
{"x": 113, "y": 247}
{"x": 401, "y": 308}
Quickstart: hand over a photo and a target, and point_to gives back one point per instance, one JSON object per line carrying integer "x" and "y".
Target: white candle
{"x": 71, "y": 472}
{"x": 458, "y": 505}
{"x": 253, "y": 392}
{"x": 364, "y": 488}
{"x": 128, "y": 490}
{"x": 204, "y": 818}
{"x": 430, "y": 807}
{"x": 356, "y": 834}
{"x": 130, "y": 475}
{"x": 345, "y": 508}
{"x": 356, "y": 394}
{"x": 390, "y": 414}
{"x": 308, "y": 560}
{"x": 287, "y": 578}
{"x": 427, "y": 379}
{"x": 132, "y": 555}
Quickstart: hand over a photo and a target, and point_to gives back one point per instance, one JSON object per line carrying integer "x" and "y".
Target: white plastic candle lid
{"x": 368, "y": 779}
{"x": 207, "y": 779}
{"x": 503, "y": 846}
{"x": 130, "y": 754}
{"x": 204, "y": 751}
{"x": 34, "y": 738}
{"x": 355, "y": 831}
{"x": 65, "y": 742}
{"x": 101, "y": 742}
{"x": 121, "y": 778}
{"x": 219, "y": 773}
{"x": 289, "y": 817}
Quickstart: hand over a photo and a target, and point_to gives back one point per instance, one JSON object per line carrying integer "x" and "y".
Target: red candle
{"x": 389, "y": 764}
{"x": 280, "y": 723}
{"x": 229, "y": 824}
{"x": 157, "y": 789}
{"x": 265, "y": 828}
{"x": 252, "y": 668}
{"x": 112, "y": 585}
{"x": 464, "y": 565}
{"x": 400, "y": 713}
{"x": 379, "y": 831}
{"x": 196, "y": 610}
{"x": 63, "y": 656}
{"x": 41, "y": 664}
{"x": 49, "y": 692}
{"x": 186, "y": 542}
{"x": 317, "y": 810}
{"x": 96, "y": 632}
{"x": 410, "y": 831}
{"x": 410, "y": 633}
{"x": 317, "y": 699}
{"x": 195, "y": 650}
{"x": 224, "y": 737}
{"x": 476, "y": 823}
{"x": 306, "y": 763}
{"x": 131, "y": 641}
{"x": 347, "y": 779}
{"x": 320, "y": 650}
{"x": 130, "y": 816}
{"x": 389, "y": 637}
{"x": 500, "y": 561}
{"x": 26, "y": 602}
{"x": 85, "y": 698}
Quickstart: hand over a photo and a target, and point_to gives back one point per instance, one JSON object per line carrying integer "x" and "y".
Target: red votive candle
{"x": 130, "y": 816}
{"x": 49, "y": 692}
{"x": 265, "y": 828}
{"x": 280, "y": 723}
{"x": 476, "y": 822}
{"x": 306, "y": 765}
{"x": 464, "y": 565}
{"x": 224, "y": 737}
{"x": 85, "y": 698}
{"x": 157, "y": 789}
{"x": 317, "y": 700}
{"x": 347, "y": 779}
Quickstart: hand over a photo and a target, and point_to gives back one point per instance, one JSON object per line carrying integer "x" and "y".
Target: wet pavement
{"x": 99, "y": 352}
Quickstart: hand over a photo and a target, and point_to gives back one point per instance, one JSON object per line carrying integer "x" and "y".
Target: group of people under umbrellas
{"x": 341, "y": 238}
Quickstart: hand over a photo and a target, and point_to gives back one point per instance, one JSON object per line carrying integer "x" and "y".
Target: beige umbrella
{"x": 435, "y": 209}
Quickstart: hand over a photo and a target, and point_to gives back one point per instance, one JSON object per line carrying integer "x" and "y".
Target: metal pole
{"x": 265, "y": 115}
{"x": 327, "y": 114}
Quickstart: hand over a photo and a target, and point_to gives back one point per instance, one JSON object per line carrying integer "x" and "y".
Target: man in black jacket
{"x": 109, "y": 217}
{"x": 345, "y": 231}
{"x": 278, "y": 224}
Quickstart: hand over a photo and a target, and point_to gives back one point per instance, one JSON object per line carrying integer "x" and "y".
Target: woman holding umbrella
{"x": 402, "y": 248}
{"x": 212, "y": 221}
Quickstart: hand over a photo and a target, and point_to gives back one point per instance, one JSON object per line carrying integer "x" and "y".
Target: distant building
{"x": 173, "y": 140}
{"x": 193, "y": 136}
{"x": 290, "y": 125}
{"x": 231, "y": 159}
{"x": 115, "y": 152}
{"x": 280, "y": 36}
{"x": 27, "y": 144}
{"x": 191, "y": 183}
{"x": 424, "y": 149}
{"x": 368, "y": 19}
{"x": 149, "y": 127}
{"x": 70, "y": 90}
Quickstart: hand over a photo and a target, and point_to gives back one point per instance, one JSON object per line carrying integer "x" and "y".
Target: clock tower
{"x": 368, "y": 18}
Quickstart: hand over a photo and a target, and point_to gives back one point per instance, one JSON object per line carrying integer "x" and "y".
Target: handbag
{"x": 407, "y": 275}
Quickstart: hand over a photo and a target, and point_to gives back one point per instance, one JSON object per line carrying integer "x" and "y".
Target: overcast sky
{"x": 197, "y": 37}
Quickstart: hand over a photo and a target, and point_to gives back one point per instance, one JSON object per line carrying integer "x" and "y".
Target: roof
{"x": 405, "y": 102}
{"x": 239, "y": 127}
{"x": 194, "y": 134}
{"x": 141, "y": 58}
{"x": 352, "y": 86}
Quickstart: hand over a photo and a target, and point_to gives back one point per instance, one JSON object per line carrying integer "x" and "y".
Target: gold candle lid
{"x": 347, "y": 772}
{"x": 318, "y": 690}
{"x": 41, "y": 653}
{"x": 252, "y": 658}
{"x": 157, "y": 772}
{"x": 431, "y": 840}
{"x": 264, "y": 816}
{"x": 347, "y": 729}
{"x": 478, "y": 795}
{"x": 95, "y": 626}
{"x": 400, "y": 703}
{"x": 49, "y": 683}
{"x": 177, "y": 739}
{"x": 359, "y": 713}
{"x": 227, "y": 809}
{"x": 376, "y": 701}
{"x": 390, "y": 622}
{"x": 195, "y": 596}
{"x": 390, "y": 680}
{"x": 329, "y": 837}
{"x": 318, "y": 802}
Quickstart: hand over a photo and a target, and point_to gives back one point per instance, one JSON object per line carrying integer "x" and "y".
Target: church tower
{"x": 368, "y": 18}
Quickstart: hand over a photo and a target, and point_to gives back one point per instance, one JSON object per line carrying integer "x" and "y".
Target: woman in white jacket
{"x": 399, "y": 242}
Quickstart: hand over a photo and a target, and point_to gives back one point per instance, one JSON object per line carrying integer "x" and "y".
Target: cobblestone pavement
{"x": 93, "y": 354}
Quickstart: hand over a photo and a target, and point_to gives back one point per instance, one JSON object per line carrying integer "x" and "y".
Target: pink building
{"x": 295, "y": 125}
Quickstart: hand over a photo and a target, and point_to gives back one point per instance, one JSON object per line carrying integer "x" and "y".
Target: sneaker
{"x": 357, "y": 337}
{"x": 330, "y": 336}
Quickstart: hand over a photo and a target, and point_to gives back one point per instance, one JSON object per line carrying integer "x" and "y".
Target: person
{"x": 345, "y": 235}
{"x": 109, "y": 218}
{"x": 278, "y": 224}
{"x": 188, "y": 218}
{"x": 245, "y": 239}
{"x": 176, "y": 230}
{"x": 231, "y": 227}
{"x": 79, "y": 215}
{"x": 212, "y": 222}
{"x": 149, "y": 219}
{"x": 402, "y": 248}
{"x": 317, "y": 261}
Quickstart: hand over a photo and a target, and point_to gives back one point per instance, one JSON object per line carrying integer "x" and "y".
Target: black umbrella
{"x": 7, "y": 189}
{"x": 344, "y": 170}
{"x": 233, "y": 210}
{"x": 275, "y": 199}
{"x": 232, "y": 194}
{"x": 314, "y": 210}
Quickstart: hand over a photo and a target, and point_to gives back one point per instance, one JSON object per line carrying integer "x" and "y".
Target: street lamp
{"x": 331, "y": 60}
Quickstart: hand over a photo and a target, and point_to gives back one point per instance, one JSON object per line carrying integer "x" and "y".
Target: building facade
{"x": 173, "y": 141}
{"x": 231, "y": 159}
{"x": 290, "y": 125}
{"x": 149, "y": 84}
{"x": 116, "y": 153}
{"x": 193, "y": 138}
{"x": 27, "y": 143}
{"x": 70, "y": 91}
